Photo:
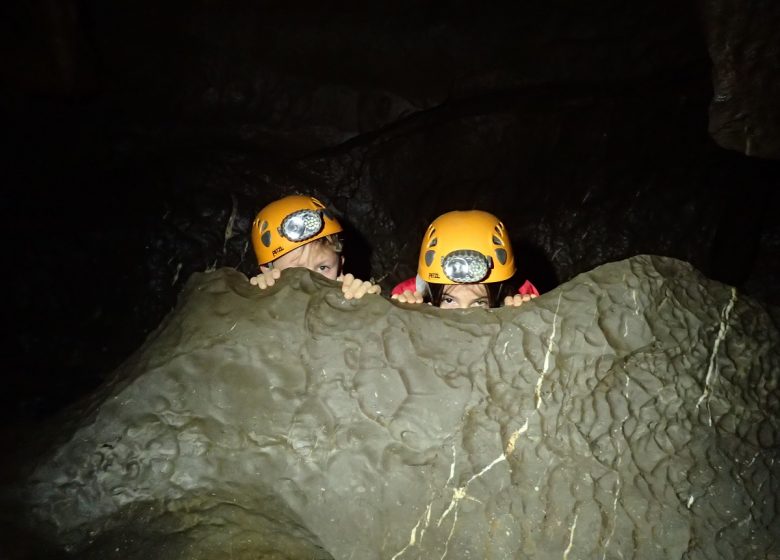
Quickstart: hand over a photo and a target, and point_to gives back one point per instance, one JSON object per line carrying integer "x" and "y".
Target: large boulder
{"x": 630, "y": 413}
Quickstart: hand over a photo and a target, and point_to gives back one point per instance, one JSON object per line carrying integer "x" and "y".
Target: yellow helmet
{"x": 466, "y": 247}
{"x": 289, "y": 223}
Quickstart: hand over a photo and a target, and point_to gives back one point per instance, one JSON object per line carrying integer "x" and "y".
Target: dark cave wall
{"x": 147, "y": 135}
{"x": 745, "y": 51}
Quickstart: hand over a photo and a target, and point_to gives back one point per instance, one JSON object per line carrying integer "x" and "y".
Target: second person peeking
{"x": 299, "y": 231}
{"x": 465, "y": 259}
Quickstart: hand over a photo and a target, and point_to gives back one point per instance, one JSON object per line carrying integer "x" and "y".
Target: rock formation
{"x": 632, "y": 412}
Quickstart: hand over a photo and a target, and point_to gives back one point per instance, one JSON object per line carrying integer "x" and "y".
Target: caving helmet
{"x": 466, "y": 247}
{"x": 289, "y": 223}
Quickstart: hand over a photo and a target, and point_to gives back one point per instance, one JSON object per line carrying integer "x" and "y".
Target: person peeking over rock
{"x": 465, "y": 259}
{"x": 299, "y": 231}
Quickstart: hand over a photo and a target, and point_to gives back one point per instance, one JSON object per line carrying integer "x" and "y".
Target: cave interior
{"x": 143, "y": 137}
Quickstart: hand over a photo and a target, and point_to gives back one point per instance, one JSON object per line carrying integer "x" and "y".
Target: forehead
{"x": 316, "y": 250}
{"x": 466, "y": 290}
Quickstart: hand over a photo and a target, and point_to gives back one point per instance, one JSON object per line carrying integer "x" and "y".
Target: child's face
{"x": 317, "y": 257}
{"x": 463, "y": 296}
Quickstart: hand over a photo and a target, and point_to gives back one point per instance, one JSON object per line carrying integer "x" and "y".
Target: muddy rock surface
{"x": 632, "y": 412}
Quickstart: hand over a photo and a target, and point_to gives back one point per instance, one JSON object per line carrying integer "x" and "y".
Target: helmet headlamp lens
{"x": 302, "y": 225}
{"x": 466, "y": 266}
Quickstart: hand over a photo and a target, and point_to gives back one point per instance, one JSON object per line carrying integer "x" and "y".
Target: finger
{"x": 276, "y": 273}
{"x": 355, "y": 289}
{"x": 375, "y": 289}
{"x": 350, "y": 287}
{"x": 410, "y": 297}
{"x": 363, "y": 289}
{"x": 259, "y": 281}
{"x": 347, "y": 287}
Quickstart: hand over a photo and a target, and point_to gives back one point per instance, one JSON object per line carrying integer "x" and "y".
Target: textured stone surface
{"x": 630, "y": 413}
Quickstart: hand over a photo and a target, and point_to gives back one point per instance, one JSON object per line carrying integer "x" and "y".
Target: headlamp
{"x": 466, "y": 266}
{"x": 301, "y": 225}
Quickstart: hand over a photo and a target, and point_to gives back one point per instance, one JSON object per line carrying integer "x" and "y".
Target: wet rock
{"x": 632, "y": 412}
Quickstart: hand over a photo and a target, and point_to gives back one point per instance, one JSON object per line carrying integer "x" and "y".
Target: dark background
{"x": 142, "y": 137}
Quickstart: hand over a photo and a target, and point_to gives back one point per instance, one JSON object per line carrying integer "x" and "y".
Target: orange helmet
{"x": 288, "y": 223}
{"x": 466, "y": 247}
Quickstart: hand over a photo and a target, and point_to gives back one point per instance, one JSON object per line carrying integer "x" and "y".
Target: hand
{"x": 408, "y": 297}
{"x": 517, "y": 300}
{"x": 356, "y": 289}
{"x": 266, "y": 278}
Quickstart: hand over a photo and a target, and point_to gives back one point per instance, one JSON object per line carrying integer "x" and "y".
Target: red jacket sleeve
{"x": 410, "y": 284}
{"x": 527, "y": 289}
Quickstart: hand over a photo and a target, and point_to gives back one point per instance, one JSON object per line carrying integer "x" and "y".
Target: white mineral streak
{"x": 457, "y": 495}
{"x": 546, "y": 367}
{"x": 230, "y": 222}
{"x": 618, "y": 485}
{"x": 510, "y": 446}
{"x": 412, "y": 537}
{"x": 712, "y": 370}
{"x": 452, "y": 466}
{"x": 452, "y": 532}
{"x": 571, "y": 538}
{"x": 176, "y": 275}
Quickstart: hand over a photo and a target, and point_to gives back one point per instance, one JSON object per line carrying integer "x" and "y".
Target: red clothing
{"x": 411, "y": 284}
{"x": 527, "y": 289}
{"x": 407, "y": 285}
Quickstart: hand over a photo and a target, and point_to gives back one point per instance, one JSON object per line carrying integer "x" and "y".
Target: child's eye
{"x": 324, "y": 267}
{"x": 447, "y": 299}
{"x": 480, "y": 303}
